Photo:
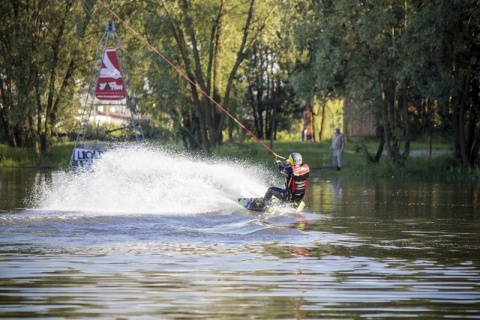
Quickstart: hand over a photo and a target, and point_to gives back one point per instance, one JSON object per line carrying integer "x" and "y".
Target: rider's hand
{"x": 277, "y": 162}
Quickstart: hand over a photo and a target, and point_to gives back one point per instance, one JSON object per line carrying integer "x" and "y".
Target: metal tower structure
{"x": 109, "y": 65}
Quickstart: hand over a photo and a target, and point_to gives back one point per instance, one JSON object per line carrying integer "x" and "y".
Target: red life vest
{"x": 298, "y": 181}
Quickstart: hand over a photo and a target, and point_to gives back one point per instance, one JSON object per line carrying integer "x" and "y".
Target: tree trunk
{"x": 392, "y": 132}
{"x": 406, "y": 127}
{"x": 218, "y": 115}
{"x": 375, "y": 159}
{"x": 459, "y": 117}
{"x": 322, "y": 120}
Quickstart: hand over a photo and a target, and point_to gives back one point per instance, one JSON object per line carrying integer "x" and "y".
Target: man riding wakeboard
{"x": 296, "y": 181}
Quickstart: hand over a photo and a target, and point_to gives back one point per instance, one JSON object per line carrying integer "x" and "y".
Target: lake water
{"x": 150, "y": 235}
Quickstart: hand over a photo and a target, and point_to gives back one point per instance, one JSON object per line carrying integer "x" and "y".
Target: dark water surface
{"x": 362, "y": 249}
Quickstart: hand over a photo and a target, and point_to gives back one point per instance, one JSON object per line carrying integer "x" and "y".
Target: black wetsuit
{"x": 296, "y": 182}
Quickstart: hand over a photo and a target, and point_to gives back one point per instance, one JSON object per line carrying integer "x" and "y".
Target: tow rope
{"x": 145, "y": 41}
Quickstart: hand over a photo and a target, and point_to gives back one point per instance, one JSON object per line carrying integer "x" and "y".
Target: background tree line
{"x": 413, "y": 65}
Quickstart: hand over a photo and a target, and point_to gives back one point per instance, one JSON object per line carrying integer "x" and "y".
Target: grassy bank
{"x": 316, "y": 154}
{"x": 421, "y": 164}
{"x": 26, "y": 158}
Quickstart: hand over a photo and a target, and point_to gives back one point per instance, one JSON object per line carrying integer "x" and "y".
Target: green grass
{"x": 255, "y": 152}
{"x": 26, "y": 158}
{"x": 319, "y": 158}
{"x": 316, "y": 154}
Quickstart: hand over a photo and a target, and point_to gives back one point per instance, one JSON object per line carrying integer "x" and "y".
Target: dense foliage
{"x": 413, "y": 65}
{"x": 40, "y": 54}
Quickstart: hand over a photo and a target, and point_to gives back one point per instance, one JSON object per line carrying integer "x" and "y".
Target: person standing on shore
{"x": 338, "y": 145}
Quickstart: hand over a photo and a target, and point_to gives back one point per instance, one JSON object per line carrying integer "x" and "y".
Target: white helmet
{"x": 295, "y": 159}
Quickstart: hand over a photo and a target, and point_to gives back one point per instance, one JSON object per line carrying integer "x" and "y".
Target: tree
{"x": 398, "y": 59}
{"x": 445, "y": 70}
{"x": 269, "y": 96}
{"x": 351, "y": 51}
{"x": 38, "y": 51}
{"x": 210, "y": 60}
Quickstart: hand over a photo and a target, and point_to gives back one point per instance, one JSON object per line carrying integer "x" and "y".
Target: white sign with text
{"x": 85, "y": 155}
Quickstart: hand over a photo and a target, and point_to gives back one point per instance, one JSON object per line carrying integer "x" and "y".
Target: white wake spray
{"x": 142, "y": 179}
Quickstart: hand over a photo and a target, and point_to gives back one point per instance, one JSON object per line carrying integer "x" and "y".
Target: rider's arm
{"x": 284, "y": 170}
{"x": 281, "y": 168}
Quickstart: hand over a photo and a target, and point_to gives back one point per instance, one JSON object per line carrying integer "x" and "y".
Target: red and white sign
{"x": 110, "y": 85}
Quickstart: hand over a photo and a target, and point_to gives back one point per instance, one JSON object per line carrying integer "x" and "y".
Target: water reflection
{"x": 363, "y": 249}
{"x": 16, "y": 185}
{"x": 408, "y": 220}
